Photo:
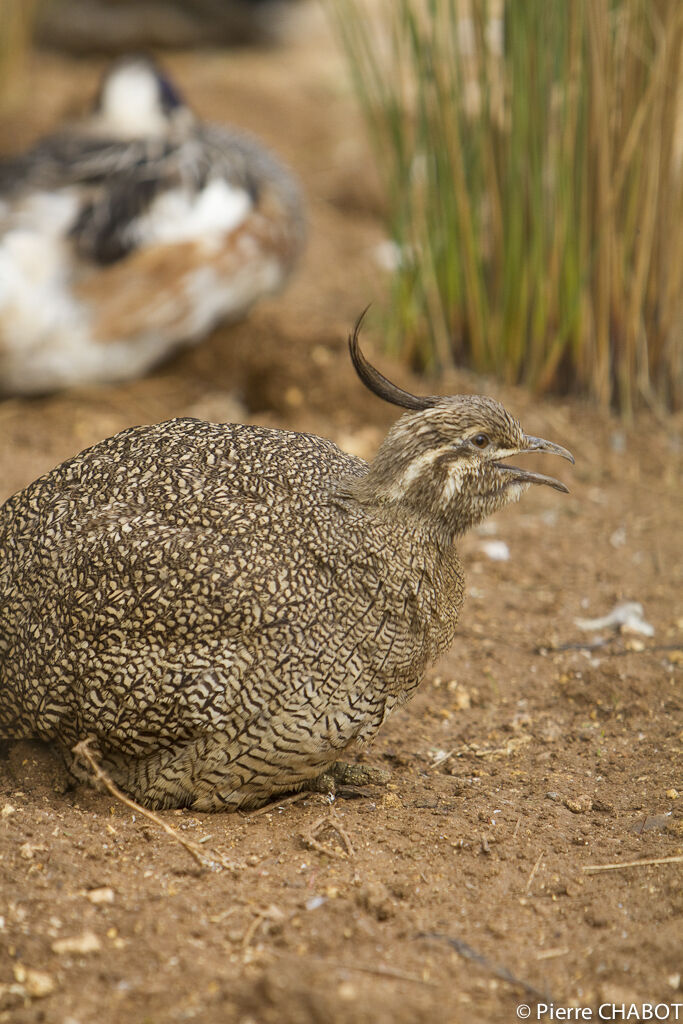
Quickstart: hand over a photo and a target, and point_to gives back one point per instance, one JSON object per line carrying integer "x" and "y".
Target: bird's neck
{"x": 416, "y": 495}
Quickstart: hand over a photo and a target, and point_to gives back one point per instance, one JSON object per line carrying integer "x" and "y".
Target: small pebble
{"x": 580, "y": 804}
{"x": 36, "y": 984}
{"x": 376, "y": 899}
{"x": 463, "y": 699}
{"x": 77, "y": 944}
{"x": 496, "y": 550}
{"x": 28, "y": 850}
{"x": 347, "y": 991}
{"x": 98, "y": 896}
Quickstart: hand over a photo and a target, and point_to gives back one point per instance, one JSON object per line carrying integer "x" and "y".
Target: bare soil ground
{"x": 461, "y": 889}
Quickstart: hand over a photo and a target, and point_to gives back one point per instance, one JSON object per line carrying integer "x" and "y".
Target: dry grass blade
{"x": 380, "y": 971}
{"x": 376, "y": 970}
{"x": 648, "y": 862}
{"x": 534, "y": 869}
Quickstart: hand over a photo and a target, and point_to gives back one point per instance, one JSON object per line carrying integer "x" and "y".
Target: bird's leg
{"x": 343, "y": 773}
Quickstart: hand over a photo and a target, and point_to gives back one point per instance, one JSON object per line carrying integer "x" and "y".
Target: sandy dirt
{"x": 462, "y": 888}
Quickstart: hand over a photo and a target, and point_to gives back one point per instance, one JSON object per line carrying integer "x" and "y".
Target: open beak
{"x": 523, "y": 476}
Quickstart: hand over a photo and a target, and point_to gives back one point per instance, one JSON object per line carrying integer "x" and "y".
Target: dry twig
{"x": 328, "y": 821}
{"x": 550, "y": 954}
{"x": 441, "y": 759}
{"x": 378, "y": 970}
{"x": 386, "y": 972}
{"x": 534, "y": 870}
{"x": 273, "y": 913}
{"x": 202, "y": 858}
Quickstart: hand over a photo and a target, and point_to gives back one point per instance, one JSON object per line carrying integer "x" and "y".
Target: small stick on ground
{"x": 327, "y": 820}
{"x": 379, "y": 970}
{"x": 385, "y": 972}
{"x": 272, "y": 913}
{"x": 550, "y": 954}
{"x": 441, "y": 759}
{"x": 634, "y": 864}
{"x": 249, "y": 934}
{"x": 534, "y": 870}
{"x": 82, "y": 750}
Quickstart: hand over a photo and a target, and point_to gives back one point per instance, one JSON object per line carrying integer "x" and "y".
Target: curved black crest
{"x": 378, "y": 384}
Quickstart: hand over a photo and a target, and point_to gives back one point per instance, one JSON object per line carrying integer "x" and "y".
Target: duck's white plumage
{"x": 133, "y": 233}
{"x": 181, "y": 215}
{"x": 130, "y": 103}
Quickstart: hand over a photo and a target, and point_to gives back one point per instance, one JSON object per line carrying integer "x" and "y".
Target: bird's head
{"x": 136, "y": 98}
{"x": 445, "y": 461}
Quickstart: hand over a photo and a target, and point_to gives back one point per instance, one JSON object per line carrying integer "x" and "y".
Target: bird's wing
{"x": 244, "y": 162}
{"x": 149, "y": 635}
{"x": 77, "y": 158}
{"x": 116, "y": 180}
{"x": 154, "y": 571}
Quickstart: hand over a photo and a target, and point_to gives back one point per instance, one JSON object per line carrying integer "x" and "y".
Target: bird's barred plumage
{"x": 225, "y": 609}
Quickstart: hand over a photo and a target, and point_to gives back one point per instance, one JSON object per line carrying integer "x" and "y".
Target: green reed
{"x": 531, "y": 153}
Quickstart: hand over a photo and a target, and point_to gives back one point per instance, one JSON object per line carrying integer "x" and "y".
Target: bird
{"x": 132, "y": 232}
{"x": 221, "y": 611}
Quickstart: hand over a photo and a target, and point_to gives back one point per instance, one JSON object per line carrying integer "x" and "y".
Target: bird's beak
{"x": 523, "y": 476}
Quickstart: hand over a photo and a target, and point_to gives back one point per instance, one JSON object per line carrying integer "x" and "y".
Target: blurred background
{"x": 524, "y": 160}
{"x": 532, "y": 156}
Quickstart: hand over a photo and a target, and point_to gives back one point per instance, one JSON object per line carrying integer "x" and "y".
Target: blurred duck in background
{"x": 134, "y": 232}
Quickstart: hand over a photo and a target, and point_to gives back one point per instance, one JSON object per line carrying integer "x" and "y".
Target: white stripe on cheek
{"x": 453, "y": 484}
{"x": 414, "y": 470}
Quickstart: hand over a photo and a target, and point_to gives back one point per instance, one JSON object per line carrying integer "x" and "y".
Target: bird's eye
{"x": 481, "y": 440}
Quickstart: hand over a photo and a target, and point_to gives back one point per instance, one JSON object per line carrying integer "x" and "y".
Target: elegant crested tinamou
{"x": 224, "y": 610}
